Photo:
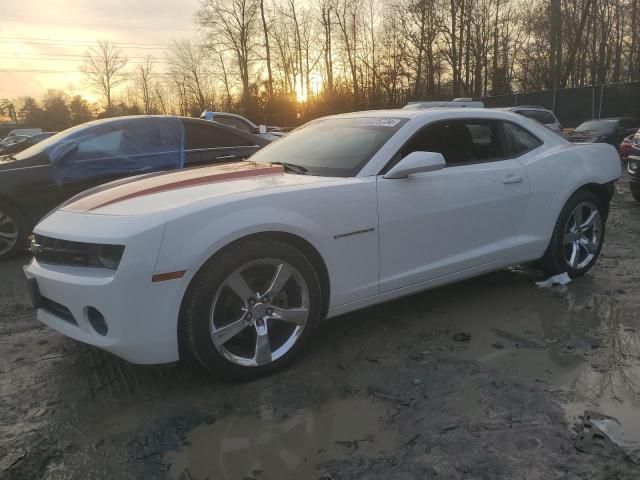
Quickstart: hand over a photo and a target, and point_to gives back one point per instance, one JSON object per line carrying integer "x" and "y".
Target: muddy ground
{"x": 384, "y": 393}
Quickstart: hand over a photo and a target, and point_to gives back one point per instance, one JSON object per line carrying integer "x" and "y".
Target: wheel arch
{"x": 12, "y": 204}
{"x": 604, "y": 191}
{"x": 303, "y": 245}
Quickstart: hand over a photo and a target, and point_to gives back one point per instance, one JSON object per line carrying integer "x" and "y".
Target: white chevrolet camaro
{"x": 235, "y": 264}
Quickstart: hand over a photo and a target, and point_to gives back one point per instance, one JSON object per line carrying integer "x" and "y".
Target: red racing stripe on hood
{"x": 171, "y": 181}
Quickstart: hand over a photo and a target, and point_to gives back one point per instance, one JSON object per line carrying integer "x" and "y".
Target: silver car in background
{"x": 542, "y": 115}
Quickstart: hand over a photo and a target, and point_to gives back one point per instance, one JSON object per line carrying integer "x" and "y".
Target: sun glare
{"x": 302, "y": 94}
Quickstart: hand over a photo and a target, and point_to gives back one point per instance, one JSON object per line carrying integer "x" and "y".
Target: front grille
{"x": 54, "y": 251}
{"x": 58, "y": 310}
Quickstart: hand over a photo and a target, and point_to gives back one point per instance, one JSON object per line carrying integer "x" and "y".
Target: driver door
{"x": 466, "y": 215}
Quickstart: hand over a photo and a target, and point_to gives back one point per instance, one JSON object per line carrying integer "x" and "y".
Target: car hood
{"x": 166, "y": 191}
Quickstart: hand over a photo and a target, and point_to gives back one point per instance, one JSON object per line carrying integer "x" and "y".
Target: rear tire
{"x": 577, "y": 236}
{"x": 13, "y": 232}
{"x": 251, "y": 309}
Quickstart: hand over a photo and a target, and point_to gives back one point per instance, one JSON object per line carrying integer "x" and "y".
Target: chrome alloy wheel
{"x": 8, "y": 233}
{"x": 259, "y": 312}
{"x": 582, "y": 235}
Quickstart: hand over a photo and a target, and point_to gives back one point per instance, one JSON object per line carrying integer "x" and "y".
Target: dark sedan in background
{"x": 36, "y": 180}
{"x": 605, "y": 130}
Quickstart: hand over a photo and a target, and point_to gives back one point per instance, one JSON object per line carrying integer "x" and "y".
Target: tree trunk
{"x": 267, "y": 50}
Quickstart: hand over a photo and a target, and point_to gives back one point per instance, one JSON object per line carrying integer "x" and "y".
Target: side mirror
{"x": 416, "y": 162}
{"x": 262, "y": 129}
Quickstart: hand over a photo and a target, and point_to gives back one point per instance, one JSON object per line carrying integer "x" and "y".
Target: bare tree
{"x": 346, "y": 13}
{"x": 188, "y": 64}
{"x": 104, "y": 67}
{"x": 267, "y": 49}
{"x": 232, "y": 24}
{"x": 339, "y": 54}
{"x": 144, "y": 81}
{"x": 326, "y": 16}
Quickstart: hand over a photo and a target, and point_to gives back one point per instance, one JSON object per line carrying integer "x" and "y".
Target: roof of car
{"x": 610, "y": 118}
{"x": 418, "y": 112}
{"x": 529, "y": 107}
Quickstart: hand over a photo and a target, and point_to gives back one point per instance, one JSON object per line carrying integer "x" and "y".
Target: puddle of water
{"x": 583, "y": 346}
{"x": 269, "y": 447}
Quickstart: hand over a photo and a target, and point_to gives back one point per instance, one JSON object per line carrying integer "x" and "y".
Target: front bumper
{"x": 141, "y": 316}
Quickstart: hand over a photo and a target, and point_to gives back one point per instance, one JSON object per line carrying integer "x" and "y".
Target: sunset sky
{"x": 42, "y": 42}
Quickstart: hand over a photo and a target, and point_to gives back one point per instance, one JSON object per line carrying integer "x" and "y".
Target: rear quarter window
{"x": 519, "y": 140}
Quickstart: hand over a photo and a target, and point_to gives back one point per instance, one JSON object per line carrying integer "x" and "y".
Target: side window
{"x": 547, "y": 118}
{"x": 527, "y": 113}
{"x": 628, "y": 123}
{"x": 102, "y": 145}
{"x": 233, "y": 122}
{"x": 198, "y": 136}
{"x": 461, "y": 141}
{"x": 520, "y": 141}
{"x": 541, "y": 116}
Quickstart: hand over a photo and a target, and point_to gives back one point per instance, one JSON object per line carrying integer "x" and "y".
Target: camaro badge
{"x": 357, "y": 232}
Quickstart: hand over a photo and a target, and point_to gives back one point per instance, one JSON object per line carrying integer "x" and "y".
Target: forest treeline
{"x": 294, "y": 59}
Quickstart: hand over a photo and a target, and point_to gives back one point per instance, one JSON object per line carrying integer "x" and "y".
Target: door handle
{"x": 511, "y": 178}
{"x": 226, "y": 157}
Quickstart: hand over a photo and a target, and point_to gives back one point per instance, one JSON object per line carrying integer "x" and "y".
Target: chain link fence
{"x": 573, "y": 106}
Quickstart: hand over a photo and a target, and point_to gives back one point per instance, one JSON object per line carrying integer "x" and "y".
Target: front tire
{"x": 577, "y": 236}
{"x": 636, "y": 196}
{"x": 13, "y": 232}
{"x": 251, "y": 309}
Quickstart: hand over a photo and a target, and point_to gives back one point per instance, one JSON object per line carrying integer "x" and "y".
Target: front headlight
{"x": 110, "y": 255}
{"x": 54, "y": 251}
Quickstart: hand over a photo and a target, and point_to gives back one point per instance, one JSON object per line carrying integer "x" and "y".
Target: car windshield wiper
{"x": 291, "y": 167}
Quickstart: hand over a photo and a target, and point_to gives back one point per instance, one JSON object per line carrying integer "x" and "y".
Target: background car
{"x": 25, "y": 132}
{"x": 605, "y": 130}
{"x": 22, "y": 142}
{"x": 455, "y": 103}
{"x": 624, "y": 149}
{"x": 39, "y": 178}
{"x": 236, "y": 264}
{"x": 241, "y": 123}
{"x": 542, "y": 115}
{"x": 633, "y": 167}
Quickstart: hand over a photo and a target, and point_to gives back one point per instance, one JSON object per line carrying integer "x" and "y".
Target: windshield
{"x": 598, "y": 126}
{"x": 43, "y": 145}
{"x": 332, "y": 147}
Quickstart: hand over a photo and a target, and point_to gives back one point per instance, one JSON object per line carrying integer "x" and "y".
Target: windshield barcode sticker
{"x": 381, "y": 122}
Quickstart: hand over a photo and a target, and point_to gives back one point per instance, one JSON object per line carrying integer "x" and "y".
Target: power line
{"x": 124, "y": 47}
{"x": 57, "y": 22}
{"x": 23, "y": 58}
{"x": 10, "y": 70}
{"x": 48, "y": 56}
{"x": 93, "y": 42}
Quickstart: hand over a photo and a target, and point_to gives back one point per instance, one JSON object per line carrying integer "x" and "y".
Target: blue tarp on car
{"x": 137, "y": 144}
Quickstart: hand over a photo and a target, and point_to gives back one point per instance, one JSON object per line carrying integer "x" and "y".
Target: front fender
{"x": 339, "y": 222}
{"x": 191, "y": 240}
